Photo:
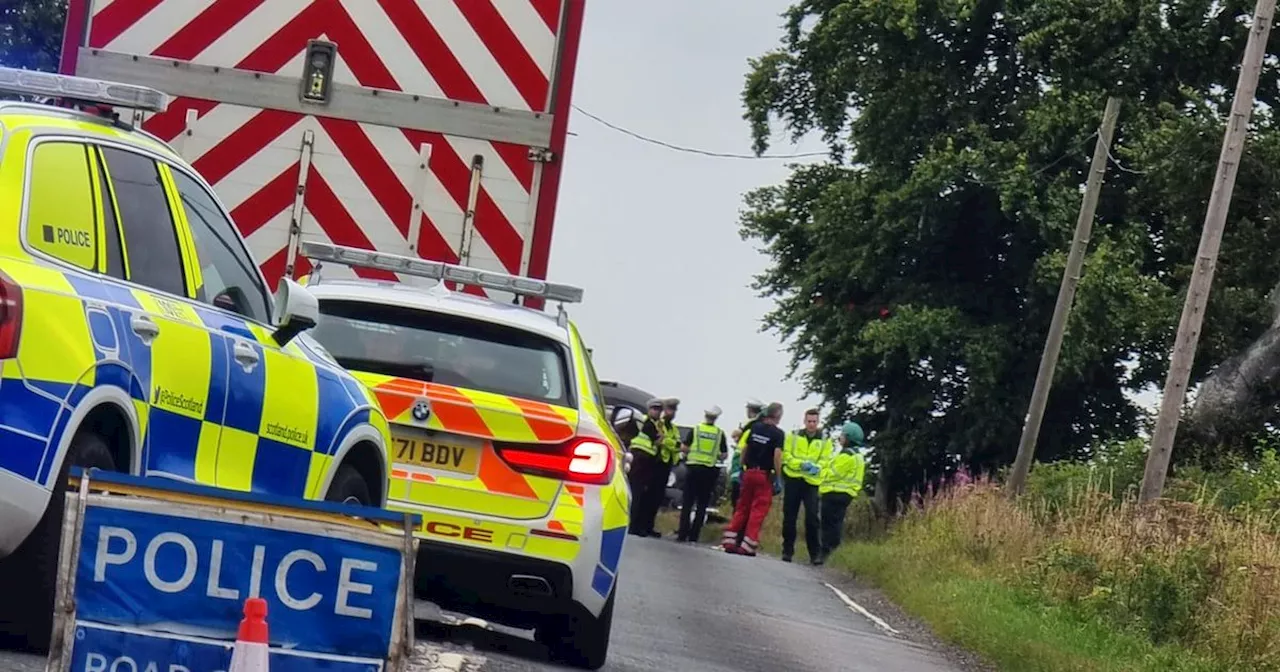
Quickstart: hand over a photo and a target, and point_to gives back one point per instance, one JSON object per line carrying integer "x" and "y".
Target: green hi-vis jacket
{"x": 735, "y": 465}
{"x": 642, "y": 442}
{"x": 704, "y": 448}
{"x": 669, "y": 450}
{"x": 799, "y": 449}
{"x": 843, "y": 473}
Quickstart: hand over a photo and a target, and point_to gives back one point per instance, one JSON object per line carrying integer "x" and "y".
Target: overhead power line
{"x": 691, "y": 150}
{"x": 1071, "y": 152}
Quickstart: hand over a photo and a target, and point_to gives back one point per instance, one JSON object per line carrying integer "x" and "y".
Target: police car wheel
{"x": 579, "y": 640}
{"x": 348, "y": 487}
{"x": 29, "y": 577}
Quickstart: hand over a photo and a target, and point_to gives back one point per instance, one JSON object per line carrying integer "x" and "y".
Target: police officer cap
{"x": 755, "y": 404}
{"x": 671, "y": 402}
{"x": 713, "y": 412}
{"x": 853, "y": 432}
{"x": 654, "y": 403}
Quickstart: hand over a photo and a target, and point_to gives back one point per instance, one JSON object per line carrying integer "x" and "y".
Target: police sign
{"x": 158, "y": 580}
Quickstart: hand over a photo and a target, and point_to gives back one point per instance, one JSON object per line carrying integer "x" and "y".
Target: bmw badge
{"x": 421, "y": 410}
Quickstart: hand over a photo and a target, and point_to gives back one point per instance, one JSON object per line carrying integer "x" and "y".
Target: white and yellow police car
{"x": 138, "y": 335}
{"x": 499, "y": 440}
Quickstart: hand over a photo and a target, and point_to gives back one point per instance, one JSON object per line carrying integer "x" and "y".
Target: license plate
{"x": 432, "y": 453}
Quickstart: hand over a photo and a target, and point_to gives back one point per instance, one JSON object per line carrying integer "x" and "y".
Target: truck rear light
{"x": 581, "y": 460}
{"x": 10, "y": 317}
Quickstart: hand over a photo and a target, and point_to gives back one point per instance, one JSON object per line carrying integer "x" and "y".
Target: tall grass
{"x": 1182, "y": 573}
{"x": 1076, "y": 574}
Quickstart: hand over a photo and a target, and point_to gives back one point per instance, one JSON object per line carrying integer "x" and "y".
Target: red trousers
{"x": 753, "y": 505}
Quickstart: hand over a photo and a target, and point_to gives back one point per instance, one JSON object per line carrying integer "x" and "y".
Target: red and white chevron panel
{"x": 363, "y": 177}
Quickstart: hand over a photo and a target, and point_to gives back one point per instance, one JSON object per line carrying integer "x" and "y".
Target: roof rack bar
{"x": 81, "y": 89}
{"x": 437, "y": 270}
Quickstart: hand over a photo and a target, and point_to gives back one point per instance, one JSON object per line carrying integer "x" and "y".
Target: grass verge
{"x": 1090, "y": 583}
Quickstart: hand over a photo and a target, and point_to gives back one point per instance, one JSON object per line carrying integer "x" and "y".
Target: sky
{"x": 651, "y": 234}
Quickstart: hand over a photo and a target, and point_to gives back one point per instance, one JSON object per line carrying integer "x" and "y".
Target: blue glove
{"x": 777, "y": 485}
{"x": 810, "y": 468}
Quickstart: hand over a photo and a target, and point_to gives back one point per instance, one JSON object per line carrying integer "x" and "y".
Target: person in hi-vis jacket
{"x": 841, "y": 482}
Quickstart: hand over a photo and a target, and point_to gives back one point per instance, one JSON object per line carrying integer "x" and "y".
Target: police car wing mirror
{"x": 296, "y": 310}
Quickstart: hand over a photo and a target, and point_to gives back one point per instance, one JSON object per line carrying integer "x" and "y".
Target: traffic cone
{"x": 251, "y": 652}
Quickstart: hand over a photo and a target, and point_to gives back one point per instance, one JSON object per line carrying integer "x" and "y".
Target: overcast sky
{"x": 640, "y": 226}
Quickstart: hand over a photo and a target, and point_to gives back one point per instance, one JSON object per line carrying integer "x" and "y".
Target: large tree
{"x": 915, "y": 271}
{"x": 31, "y": 33}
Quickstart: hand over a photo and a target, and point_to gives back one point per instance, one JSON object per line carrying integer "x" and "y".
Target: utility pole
{"x": 1215, "y": 219}
{"x": 1066, "y": 294}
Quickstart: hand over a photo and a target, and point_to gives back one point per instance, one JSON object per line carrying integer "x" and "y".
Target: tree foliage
{"x": 960, "y": 134}
{"x": 31, "y": 33}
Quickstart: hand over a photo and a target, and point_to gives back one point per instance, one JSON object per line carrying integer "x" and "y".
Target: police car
{"x": 499, "y": 440}
{"x": 137, "y": 335}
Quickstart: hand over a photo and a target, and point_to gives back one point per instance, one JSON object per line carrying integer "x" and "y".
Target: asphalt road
{"x": 687, "y": 608}
{"x": 694, "y": 609}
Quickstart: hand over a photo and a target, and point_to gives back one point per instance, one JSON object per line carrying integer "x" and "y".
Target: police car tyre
{"x": 350, "y": 487}
{"x": 29, "y": 576}
{"x": 579, "y": 639}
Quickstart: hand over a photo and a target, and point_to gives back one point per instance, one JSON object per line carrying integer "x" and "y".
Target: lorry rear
{"x": 433, "y": 128}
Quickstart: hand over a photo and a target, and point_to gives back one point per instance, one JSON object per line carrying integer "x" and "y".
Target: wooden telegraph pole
{"x": 1224, "y": 182}
{"x": 1066, "y": 294}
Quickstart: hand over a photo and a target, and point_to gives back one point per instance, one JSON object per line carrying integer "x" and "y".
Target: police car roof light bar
{"x": 81, "y": 89}
{"x": 436, "y": 270}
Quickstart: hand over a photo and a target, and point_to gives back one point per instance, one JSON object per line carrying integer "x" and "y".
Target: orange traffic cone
{"x": 251, "y": 651}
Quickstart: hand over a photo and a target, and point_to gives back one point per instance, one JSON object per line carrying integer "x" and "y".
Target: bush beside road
{"x": 1076, "y": 576}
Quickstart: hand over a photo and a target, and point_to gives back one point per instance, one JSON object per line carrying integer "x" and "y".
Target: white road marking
{"x": 854, "y": 606}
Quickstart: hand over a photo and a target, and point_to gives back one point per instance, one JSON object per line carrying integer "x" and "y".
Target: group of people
{"x": 810, "y": 471}
{"x": 804, "y": 467}
{"x": 655, "y": 447}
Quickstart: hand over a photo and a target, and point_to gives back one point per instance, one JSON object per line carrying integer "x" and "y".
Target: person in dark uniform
{"x": 706, "y": 446}
{"x": 645, "y": 470}
{"x": 803, "y": 457}
{"x": 669, "y": 452}
{"x": 761, "y": 463}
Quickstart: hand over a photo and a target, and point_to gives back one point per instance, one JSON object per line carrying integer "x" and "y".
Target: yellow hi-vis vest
{"x": 799, "y": 449}
{"x": 704, "y": 448}
{"x": 669, "y": 450}
{"x": 642, "y": 442}
{"x": 746, "y": 432}
{"x": 843, "y": 474}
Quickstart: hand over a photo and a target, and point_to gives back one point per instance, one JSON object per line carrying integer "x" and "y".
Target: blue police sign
{"x": 159, "y": 581}
{"x": 102, "y": 649}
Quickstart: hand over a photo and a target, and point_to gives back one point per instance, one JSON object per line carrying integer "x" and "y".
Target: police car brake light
{"x": 435, "y": 270}
{"x": 591, "y": 459}
{"x": 82, "y": 89}
{"x": 10, "y": 316}
{"x": 581, "y": 460}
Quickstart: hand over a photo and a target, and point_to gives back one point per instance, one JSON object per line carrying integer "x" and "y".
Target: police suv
{"x": 137, "y": 335}
{"x": 499, "y": 440}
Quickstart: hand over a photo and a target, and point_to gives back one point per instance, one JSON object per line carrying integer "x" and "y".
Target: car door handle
{"x": 246, "y": 355}
{"x": 145, "y": 327}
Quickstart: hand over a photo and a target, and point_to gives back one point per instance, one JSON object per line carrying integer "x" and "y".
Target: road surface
{"x": 687, "y": 608}
{"x": 694, "y": 609}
